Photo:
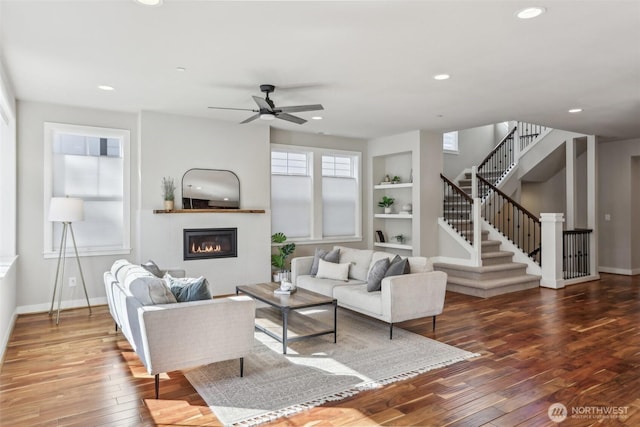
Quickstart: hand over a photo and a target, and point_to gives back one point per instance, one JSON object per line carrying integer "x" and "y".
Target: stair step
{"x": 490, "y": 246}
{"x": 484, "y": 235}
{"x": 496, "y": 258}
{"x": 486, "y": 272}
{"x": 492, "y": 287}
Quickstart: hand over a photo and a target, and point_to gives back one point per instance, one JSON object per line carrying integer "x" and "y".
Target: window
{"x": 291, "y": 193}
{"x": 315, "y": 193}
{"x": 92, "y": 164}
{"x": 339, "y": 196}
{"x": 450, "y": 142}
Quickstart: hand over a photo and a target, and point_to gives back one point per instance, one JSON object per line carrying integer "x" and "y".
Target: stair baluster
{"x": 457, "y": 208}
{"x": 516, "y": 223}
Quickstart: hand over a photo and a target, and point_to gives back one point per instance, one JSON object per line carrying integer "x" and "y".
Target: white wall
{"x": 616, "y": 182}
{"x": 8, "y": 279}
{"x": 35, "y": 273}
{"x": 170, "y": 145}
{"x": 473, "y": 147}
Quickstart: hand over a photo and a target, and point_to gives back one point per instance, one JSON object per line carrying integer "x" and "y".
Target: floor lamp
{"x": 66, "y": 210}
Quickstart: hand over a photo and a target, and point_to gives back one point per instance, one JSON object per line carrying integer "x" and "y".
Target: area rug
{"x": 316, "y": 370}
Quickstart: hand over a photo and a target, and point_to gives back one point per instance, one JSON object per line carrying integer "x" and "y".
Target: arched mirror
{"x": 210, "y": 189}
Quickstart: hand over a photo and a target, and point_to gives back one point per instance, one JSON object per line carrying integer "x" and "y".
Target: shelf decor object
{"x": 66, "y": 210}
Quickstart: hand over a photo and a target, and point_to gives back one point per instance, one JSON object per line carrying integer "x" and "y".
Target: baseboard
{"x": 77, "y": 303}
{"x": 7, "y": 336}
{"x": 624, "y": 271}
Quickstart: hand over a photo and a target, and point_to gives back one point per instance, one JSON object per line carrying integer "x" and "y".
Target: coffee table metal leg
{"x": 335, "y": 321}
{"x": 285, "y": 325}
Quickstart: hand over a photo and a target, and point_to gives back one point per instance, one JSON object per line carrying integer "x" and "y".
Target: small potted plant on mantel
{"x": 386, "y": 203}
{"x": 168, "y": 193}
{"x": 279, "y": 259}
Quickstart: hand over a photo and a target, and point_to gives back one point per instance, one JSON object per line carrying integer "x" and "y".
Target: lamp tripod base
{"x": 66, "y": 228}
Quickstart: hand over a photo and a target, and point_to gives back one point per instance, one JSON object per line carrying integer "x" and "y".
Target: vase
{"x": 168, "y": 205}
{"x": 387, "y": 210}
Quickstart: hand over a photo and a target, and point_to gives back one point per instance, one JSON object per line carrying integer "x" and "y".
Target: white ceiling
{"x": 370, "y": 63}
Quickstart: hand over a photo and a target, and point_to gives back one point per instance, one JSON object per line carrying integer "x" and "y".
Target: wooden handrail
{"x": 497, "y": 147}
{"x": 456, "y": 188}
{"x": 509, "y": 199}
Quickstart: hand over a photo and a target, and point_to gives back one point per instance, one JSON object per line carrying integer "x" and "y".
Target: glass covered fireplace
{"x": 205, "y": 243}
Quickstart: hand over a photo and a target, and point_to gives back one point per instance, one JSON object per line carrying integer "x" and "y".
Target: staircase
{"x": 498, "y": 273}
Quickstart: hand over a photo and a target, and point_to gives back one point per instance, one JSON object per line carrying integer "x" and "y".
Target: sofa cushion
{"x": 329, "y": 256}
{"x": 397, "y": 267}
{"x": 188, "y": 288}
{"x": 359, "y": 298}
{"x": 145, "y": 287}
{"x": 420, "y": 264}
{"x": 152, "y": 268}
{"x": 322, "y": 286}
{"x": 376, "y": 274}
{"x": 330, "y": 270}
{"x": 360, "y": 259}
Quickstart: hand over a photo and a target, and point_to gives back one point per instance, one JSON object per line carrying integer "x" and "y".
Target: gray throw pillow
{"x": 152, "y": 268}
{"x": 397, "y": 267}
{"x": 188, "y": 288}
{"x": 376, "y": 274}
{"x": 329, "y": 256}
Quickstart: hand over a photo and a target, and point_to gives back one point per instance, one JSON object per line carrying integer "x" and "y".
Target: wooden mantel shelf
{"x": 174, "y": 211}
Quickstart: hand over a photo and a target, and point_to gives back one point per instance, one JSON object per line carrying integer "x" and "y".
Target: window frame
{"x": 50, "y": 129}
{"x": 314, "y": 158}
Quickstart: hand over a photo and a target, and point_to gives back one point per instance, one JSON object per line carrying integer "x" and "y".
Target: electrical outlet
{"x": 72, "y": 282}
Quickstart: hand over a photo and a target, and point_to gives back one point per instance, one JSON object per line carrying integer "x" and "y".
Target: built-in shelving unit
{"x": 183, "y": 211}
{"x": 395, "y": 223}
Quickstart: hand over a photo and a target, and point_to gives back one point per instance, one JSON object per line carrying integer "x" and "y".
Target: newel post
{"x": 477, "y": 220}
{"x": 551, "y": 241}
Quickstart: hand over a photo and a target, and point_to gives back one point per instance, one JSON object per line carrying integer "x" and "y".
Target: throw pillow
{"x": 397, "y": 267}
{"x": 152, "y": 268}
{"x": 329, "y": 256}
{"x": 188, "y": 288}
{"x": 376, "y": 274}
{"x": 331, "y": 270}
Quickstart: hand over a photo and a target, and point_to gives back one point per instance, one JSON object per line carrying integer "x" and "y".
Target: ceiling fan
{"x": 268, "y": 111}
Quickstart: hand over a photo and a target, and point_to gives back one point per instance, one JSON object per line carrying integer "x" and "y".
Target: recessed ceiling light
{"x": 575, "y": 110}
{"x": 149, "y": 2}
{"x": 441, "y": 76}
{"x": 181, "y": 69}
{"x": 105, "y": 87}
{"x": 316, "y": 118}
{"x": 530, "y": 12}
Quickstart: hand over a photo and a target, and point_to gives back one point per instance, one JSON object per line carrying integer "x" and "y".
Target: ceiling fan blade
{"x": 238, "y": 109}
{"x": 263, "y": 104}
{"x": 250, "y": 119}
{"x": 299, "y": 108}
{"x": 290, "y": 118}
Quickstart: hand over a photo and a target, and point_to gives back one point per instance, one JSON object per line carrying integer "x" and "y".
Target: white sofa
{"x": 174, "y": 336}
{"x": 420, "y": 293}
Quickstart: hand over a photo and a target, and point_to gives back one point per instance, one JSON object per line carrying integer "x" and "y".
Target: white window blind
{"x": 91, "y": 164}
{"x": 313, "y": 203}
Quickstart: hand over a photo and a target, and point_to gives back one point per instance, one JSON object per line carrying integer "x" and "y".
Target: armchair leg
{"x": 157, "y": 385}
{"x": 391, "y": 331}
{"x": 434, "y": 323}
{"x": 242, "y": 367}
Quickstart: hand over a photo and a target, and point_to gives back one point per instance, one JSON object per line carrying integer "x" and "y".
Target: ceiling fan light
{"x": 267, "y": 116}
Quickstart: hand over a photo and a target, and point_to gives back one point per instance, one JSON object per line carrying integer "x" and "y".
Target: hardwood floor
{"x": 579, "y": 346}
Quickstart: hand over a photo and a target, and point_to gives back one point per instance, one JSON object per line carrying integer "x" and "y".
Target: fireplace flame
{"x": 205, "y": 248}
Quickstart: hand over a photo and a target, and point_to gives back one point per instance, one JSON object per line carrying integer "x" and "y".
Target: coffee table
{"x": 288, "y": 305}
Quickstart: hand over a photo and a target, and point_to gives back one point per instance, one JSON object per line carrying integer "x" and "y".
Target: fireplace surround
{"x": 207, "y": 243}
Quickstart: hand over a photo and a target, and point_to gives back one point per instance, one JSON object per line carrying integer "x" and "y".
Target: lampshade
{"x": 66, "y": 209}
{"x": 267, "y": 116}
